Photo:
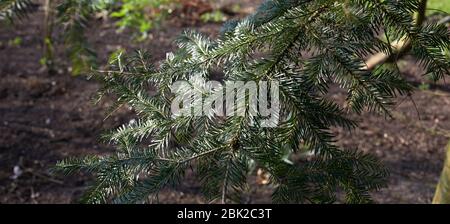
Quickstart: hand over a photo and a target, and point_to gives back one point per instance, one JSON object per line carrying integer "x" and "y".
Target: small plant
{"x": 304, "y": 46}
{"x": 442, "y": 195}
{"x": 142, "y": 15}
{"x": 424, "y": 86}
{"x": 74, "y": 17}
{"x": 214, "y": 16}
{"x": 16, "y": 42}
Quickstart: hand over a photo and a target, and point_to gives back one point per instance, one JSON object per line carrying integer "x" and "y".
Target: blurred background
{"x": 47, "y": 112}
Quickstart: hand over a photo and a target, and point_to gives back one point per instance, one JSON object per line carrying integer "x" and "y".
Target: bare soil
{"x": 45, "y": 118}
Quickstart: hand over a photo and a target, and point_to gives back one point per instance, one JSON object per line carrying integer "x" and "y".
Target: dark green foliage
{"x": 14, "y": 8}
{"x": 306, "y": 46}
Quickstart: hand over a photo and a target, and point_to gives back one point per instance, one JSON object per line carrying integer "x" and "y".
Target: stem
{"x": 225, "y": 185}
{"x": 201, "y": 155}
{"x": 421, "y": 13}
{"x": 48, "y": 30}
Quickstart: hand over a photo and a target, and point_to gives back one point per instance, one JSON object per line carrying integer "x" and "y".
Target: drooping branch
{"x": 156, "y": 151}
{"x": 400, "y": 47}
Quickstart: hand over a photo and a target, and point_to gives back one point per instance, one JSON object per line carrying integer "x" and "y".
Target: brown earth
{"x": 45, "y": 118}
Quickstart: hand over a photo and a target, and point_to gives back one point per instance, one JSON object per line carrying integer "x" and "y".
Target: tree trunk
{"x": 442, "y": 195}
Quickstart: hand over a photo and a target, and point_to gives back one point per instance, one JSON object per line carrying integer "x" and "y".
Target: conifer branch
{"x": 306, "y": 46}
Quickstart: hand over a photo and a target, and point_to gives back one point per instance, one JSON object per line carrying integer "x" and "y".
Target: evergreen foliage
{"x": 306, "y": 46}
{"x": 14, "y": 8}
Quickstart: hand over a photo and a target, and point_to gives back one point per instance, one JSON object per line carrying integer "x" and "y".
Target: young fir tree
{"x": 72, "y": 15}
{"x": 306, "y": 46}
